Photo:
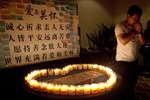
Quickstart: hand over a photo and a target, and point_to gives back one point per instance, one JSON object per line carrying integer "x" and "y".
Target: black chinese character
{"x": 17, "y": 49}
{"x": 39, "y": 37}
{"x": 21, "y": 37}
{"x": 26, "y": 48}
{"x": 52, "y": 15}
{"x": 36, "y": 57}
{"x": 64, "y": 45}
{"x": 20, "y": 27}
{"x": 46, "y": 27}
{"x": 31, "y": 37}
{"x": 58, "y": 45}
{"x": 44, "y": 56}
{"x": 43, "y": 15}
{"x": 61, "y": 36}
{"x": 52, "y": 55}
{"x": 28, "y": 58}
{"x": 44, "y": 47}
{"x": 51, "y": 46}
{"x": 18, "y": 59}
{"x": 54, "y": 36}
{"x": 10, "y": 26}
{"x": 29, "y": 27}
{"x": 29, "y": 10}
{"x": 38, "y": 27}
{"x": 71, "y": 52}
{"x": 8, "y": 60}
{"x": 47, "y": 37}
{"x": 59, "y": 54}
{"x": 54, "y": 27}
{"x": 11, "y": 38}
{"x": 36, "y": 47}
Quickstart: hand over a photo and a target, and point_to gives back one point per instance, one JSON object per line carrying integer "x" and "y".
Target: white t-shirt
{"x": 128, "y": 52}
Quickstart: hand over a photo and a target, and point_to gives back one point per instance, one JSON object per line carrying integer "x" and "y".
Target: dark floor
{"x": 142, "y": 89}
{"x": 12, "y": 80}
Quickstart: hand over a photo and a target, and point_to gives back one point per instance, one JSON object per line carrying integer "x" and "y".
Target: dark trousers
{"x": 129, "y": 73}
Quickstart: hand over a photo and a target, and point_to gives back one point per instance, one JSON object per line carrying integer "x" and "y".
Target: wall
{"x": 121, "y": 7}
{"x": 92, "y": 12}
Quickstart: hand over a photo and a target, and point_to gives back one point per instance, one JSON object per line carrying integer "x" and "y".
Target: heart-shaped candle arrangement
{"x": 33, "y": 83}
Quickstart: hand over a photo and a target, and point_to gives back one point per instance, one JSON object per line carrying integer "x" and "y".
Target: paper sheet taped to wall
{"x": 32, "y": 32}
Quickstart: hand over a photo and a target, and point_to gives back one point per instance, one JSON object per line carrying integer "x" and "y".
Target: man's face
{"x": 132, "y": 20}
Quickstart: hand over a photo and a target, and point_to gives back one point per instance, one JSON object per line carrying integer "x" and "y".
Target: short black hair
{"x": 134, "y": 9}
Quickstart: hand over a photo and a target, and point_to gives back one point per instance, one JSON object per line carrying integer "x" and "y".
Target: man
{"x": 128, "y": 34}
{"x": 145, "y": 49}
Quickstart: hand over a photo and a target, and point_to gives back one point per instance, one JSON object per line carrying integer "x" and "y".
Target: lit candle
{"x": 79, "y": 66}
{"x": 95, "y": 66}
{"x": 66, "y": 70}
{"x": 71, "y": 90}
{"x": 56, "y": 89}
{"x": 90, "y": 66}
{"x": 26, "y": 80}
{"x": 94, "y": 88}
{"x": 43, "y": 86}
{"x": 63, "y": 72}
{"x": 70, "y": 68}
{"x": 79, "y": 90}
{"x": 74, "y": 67}
{"x": 87, "y": 89}
{"x": 32, "y": 83}
{"x": 85, "y": 66}
{"x": 44, "y": 72}
{"x": 56, "y": 71}
{"x": 50, "y": 88}
{"x": 101, "y": 87}
{"x": 37, "y": 86}
{"x": 64, "y": 89}
{"x": 50, "y": 71}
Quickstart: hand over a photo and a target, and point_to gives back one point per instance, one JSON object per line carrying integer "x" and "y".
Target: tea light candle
{"x": 79, "y": 90}
{"x": 74, "y": 67}
{"x": 66, "y": 70}
{"x": 90, "y": 66}
{"x": 95, "y": 66}
{"x": 101, "y": 87}
{"x": 43, "y": 86}
{"x": 85, "y": 66}
{"x": 64, "y": 89}
{"x": 70, "y": 68}
{"x": 94, "y": 88}
{"x": 44, "y": 72}
{"x": 71, "y": 90}
{"x": 87, "y": 89}
{"x": 56, "y": 89}
{"x": 37, "y": 86}
{"x": 27, "y": 80}
{"x": 36, "y": 74}
{"x": 50, "y": 72}
{"x": 50, "y": 88}
{"x": 32, "y": 83}
{"x": 79, "y": 66}
{"x": 63, "y": 72}
{"x": 56, "y": 71}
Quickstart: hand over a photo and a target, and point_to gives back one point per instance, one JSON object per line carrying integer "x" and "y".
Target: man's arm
{"x": 125, "y": 38}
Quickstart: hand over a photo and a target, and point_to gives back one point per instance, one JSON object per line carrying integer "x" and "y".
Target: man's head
{"x": 134, "y": 14}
